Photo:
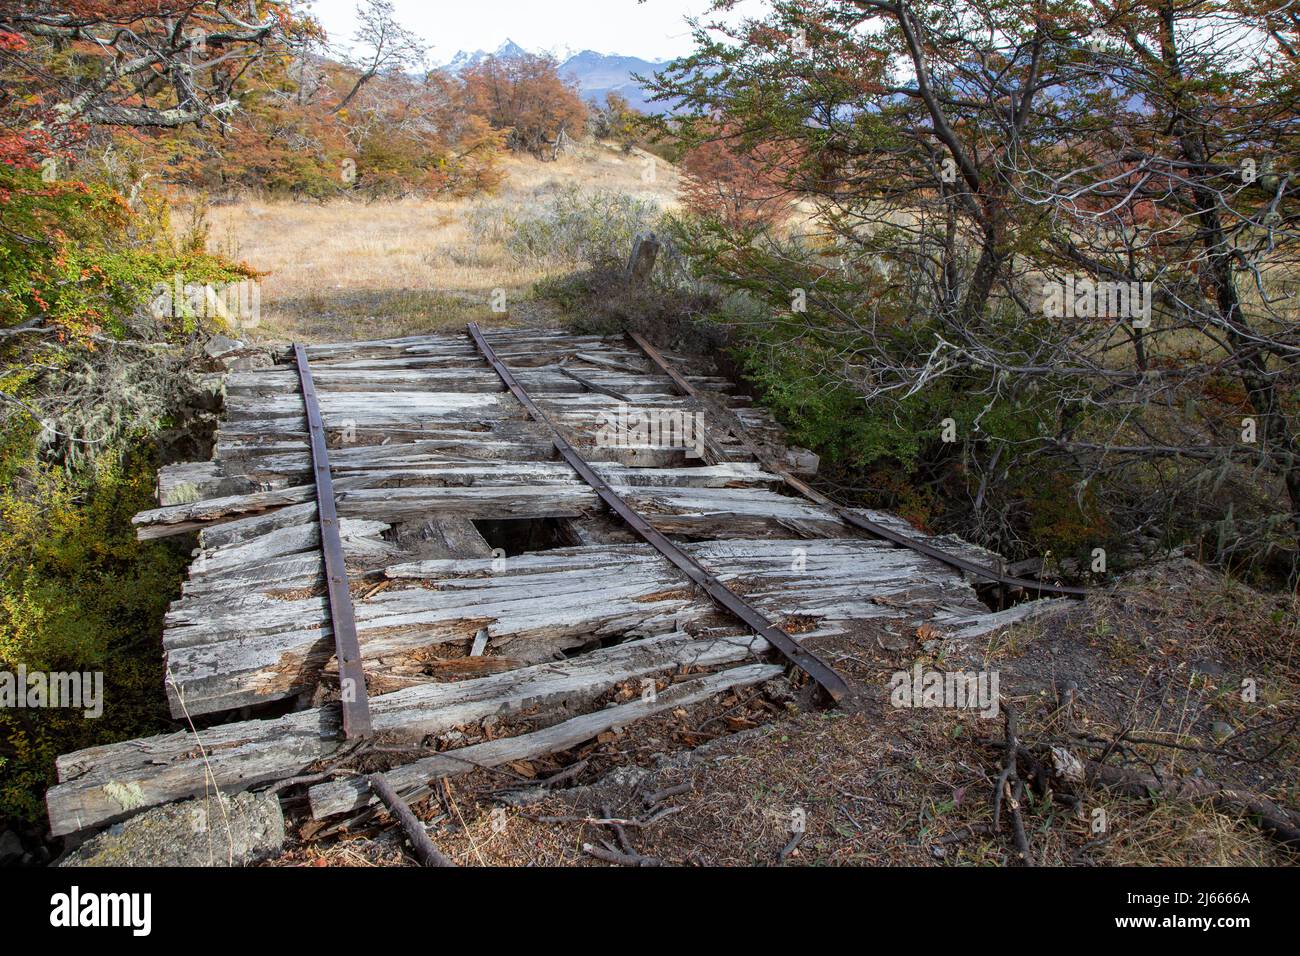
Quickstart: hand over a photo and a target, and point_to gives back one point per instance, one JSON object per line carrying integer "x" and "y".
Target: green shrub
{"x": 78, "y": 592}
{"x": 568, "y": 227}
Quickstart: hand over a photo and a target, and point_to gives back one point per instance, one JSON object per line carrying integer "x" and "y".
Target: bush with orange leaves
{"x": 739, "y": 186}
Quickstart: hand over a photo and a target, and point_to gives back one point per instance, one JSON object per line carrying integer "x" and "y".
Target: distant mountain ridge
{"x": 595, "y": 73}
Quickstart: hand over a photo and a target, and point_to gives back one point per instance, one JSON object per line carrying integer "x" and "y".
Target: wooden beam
{"x": 412, "y": 780}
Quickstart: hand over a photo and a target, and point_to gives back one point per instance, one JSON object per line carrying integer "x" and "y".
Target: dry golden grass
{"x": 344, "y": 269}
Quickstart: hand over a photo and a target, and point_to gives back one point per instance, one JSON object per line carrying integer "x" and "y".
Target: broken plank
{"x": 104, "y": 783}
{"x": 412, "y": 780}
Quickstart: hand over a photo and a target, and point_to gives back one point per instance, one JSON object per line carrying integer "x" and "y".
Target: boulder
{"x": 206, "y": 831}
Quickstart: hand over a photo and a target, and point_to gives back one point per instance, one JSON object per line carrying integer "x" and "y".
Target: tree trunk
{"x": 1252, "y": 363}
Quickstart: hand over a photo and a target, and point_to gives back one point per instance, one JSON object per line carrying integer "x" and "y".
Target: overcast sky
{"x": 654, "y": 30}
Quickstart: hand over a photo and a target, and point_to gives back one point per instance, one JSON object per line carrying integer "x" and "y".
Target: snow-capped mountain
{"x": 465, "y": 59}
{"x": 595, "y": 73}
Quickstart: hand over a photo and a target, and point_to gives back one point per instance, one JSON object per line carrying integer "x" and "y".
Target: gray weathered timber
{"x": 433, "y": 488}
{"x": 412, "y": 779}
{"x": 691, "y": 510}
{"x": 104, "y": 783}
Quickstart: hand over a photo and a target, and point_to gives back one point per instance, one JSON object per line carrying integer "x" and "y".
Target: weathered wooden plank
{"x": 179, "y": 519}
{"x": 451, "y": 345}
{"x": 272, "y": 460}
{"x": 253, "y": 526}
{"x": 195, "y": 480}
{"x": 361, "y": 539}
{"x": 451, "y": 536}
{"x": 523, "y": 354}
{"x": 103, "y": 783}
{"x": 249, "y": 647}
{"x": 374, "y": 408}
{"x": 964, "y": 626}
{"x": 413, "y": 778}
{"x": 530, "y": 489}
{"x": 244, "y": 387}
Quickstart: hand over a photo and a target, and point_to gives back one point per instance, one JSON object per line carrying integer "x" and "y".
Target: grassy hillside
{"x": 348, "y": 269}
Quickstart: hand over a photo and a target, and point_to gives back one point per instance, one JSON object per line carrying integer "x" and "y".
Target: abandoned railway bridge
{"x": 404, "y": 537}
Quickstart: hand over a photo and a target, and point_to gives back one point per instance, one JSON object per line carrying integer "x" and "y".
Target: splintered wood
{"x": 487, "y": 577}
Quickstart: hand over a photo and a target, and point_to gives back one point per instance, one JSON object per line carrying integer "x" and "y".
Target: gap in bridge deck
{"x": 516, "y": 536}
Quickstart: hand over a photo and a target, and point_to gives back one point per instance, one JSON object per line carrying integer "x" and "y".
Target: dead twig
{"x": 659, "y": 796}
{"x": 428, "y": 854}
{"x": 1278, "y": 822}
{"x": 1010, "y": 786}
{"x": 610, "y": 855}
{"x": 619, "y": 833}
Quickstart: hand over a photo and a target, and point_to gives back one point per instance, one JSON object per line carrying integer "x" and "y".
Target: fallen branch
{"x": 659, "y": 796}
{"x": 1277, "y": 821}
{"x": 428, "y": 854}
{"x": 1010, "y": 785}
{"x": 610, "y": 855}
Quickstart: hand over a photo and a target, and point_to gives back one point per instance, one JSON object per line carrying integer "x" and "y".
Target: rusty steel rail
{"x": 844, "y": 514}
{"x": 352, "y": 678}
{"x": 805, "y": 660}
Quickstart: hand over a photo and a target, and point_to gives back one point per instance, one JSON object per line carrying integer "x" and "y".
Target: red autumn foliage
{"x": 526, "y": 95}
{"x": 741, "y": 188}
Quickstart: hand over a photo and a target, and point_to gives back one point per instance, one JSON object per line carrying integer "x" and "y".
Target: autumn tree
{"x": 312, "y": 125}
{"x": 417, "y": 136}
{"x": 70, "y": 71}
{"x": 525, "y": 95}
{"x": 161, "y": 63}
{"x": 743, "y": 189}
{"x": 975, "y": 162}
{"x": 380, "y": 45}
{"x": 614, "y": 119}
